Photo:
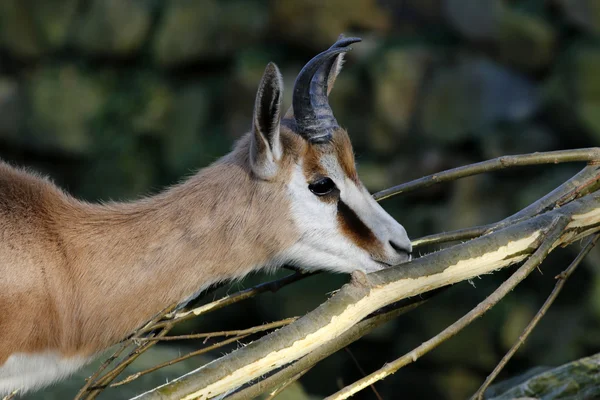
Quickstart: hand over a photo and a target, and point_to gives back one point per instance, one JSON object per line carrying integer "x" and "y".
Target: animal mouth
{"x": 383, "y": 264}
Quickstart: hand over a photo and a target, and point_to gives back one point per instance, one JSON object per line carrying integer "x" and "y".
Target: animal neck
{"x": 134, "y": 259}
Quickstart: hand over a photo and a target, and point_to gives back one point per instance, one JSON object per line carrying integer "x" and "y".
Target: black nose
{"x": 400, "y": 249}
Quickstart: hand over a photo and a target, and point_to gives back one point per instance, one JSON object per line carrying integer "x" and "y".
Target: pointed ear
{"x": 265, "y": 149}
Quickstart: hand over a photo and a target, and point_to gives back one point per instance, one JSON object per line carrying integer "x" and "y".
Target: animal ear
{"x": 266, "y": 149}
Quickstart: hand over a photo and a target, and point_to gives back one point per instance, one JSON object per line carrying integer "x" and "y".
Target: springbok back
{"x": 76, "y": 278}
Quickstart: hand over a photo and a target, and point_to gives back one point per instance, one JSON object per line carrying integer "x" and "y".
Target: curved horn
{"x": 314, "y": 118}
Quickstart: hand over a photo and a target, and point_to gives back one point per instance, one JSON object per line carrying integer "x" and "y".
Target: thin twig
{"x": 460, "y": 234}
{"x": 551, "y": 157}
{"x": 552, "y": 235}
{"x": 272, "y": 286}
{"x": 165, "y": 319}
{"x": 105, "y": 380}
{"x": 133, "y": 377}
{"x": 584, "y": 182}
{"x": 92, "y": 379}
{"x": 239, "y": 332}
{"x": 561, "y": 280}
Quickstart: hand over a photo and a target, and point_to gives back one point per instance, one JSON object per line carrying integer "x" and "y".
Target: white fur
{"x": 32, "y": 371}
{"x": 322, "y": 244}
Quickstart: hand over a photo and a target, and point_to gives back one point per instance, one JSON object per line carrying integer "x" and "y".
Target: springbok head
{"x": 341, "y": 228}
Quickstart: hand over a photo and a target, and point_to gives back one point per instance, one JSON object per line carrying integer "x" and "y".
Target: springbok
{"x": 76, "y": 278}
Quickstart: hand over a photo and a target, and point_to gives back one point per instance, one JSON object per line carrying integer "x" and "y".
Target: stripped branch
{"x": 561, "y": 279}
{"x": 533, "y": 221}
{"x": 590, "y": 155}
{"x": 351, "y": 335}
{"x": 533, "y": 262}
{"x": 367, "y": 293}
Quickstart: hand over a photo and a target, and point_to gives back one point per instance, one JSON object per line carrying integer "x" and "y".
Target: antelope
{"x": 76, "y": 278}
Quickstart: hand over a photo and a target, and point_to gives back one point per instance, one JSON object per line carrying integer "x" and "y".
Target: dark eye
{"x": 322, "y": 187}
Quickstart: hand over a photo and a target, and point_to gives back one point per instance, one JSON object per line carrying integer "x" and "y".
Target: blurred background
{"x": 114, "y": 99}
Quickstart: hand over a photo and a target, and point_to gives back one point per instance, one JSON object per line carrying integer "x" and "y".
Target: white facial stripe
{"x": 383, "y": 226}
{"x": 321, "y": 244}
{"x": 359, "y": 200}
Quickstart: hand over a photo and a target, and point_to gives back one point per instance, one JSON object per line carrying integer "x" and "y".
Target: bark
{"x": 367, "y": 293}
{"x": 576, "y": 380}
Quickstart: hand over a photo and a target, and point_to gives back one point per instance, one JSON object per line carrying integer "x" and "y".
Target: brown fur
{"x": 341, "y": 147}
{"x": 343, "y": 151}
{"x": 78, "y": 277}
{"x": 353, "y": 228}
{"x": 350, "y": 224}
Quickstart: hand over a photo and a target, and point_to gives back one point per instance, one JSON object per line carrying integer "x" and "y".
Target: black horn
{"x": 314, "y": 118}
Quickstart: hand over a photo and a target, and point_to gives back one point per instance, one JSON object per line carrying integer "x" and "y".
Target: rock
{"x": 154, "y": 104}
{"x": 374, "y": 176}
{"x": 53, "y": 20}
{"x": 514, "y": 138}
{"x": 239, "y": 91}
{"x": 501, "y": 387}
{"x": 113, "y": 27}
{"x": 525, "y": 41}
{"x": 471, "y": 95}
{"x": 573, "y": 90}
{"x": 576, "y": 380}
{"x": 463, "y": 210}
{"x": 520, "y": 39}
{"x": 545, "y": 182}
{"x": 17, "y": 29}
{"x": 192, "y": 30}
{"x": 29, "y": 28}
{"x": 583, "y": 13}
{"x": 63, "y": 103}
{"x": 586, "y": 65}
{"x": 183, "y": 148}
{"x": 414, "y": 15}
{"x": 397, "y": 79}
{"x": 380, "y": 140}
{"x": 11, "y": 109}
{"x": 318, "y": 23}
{"x": 477, "y": 20}
{"x": 120, "y": 169}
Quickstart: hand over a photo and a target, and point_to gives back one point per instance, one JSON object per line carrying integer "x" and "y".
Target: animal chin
{"x": 381, "y": 265}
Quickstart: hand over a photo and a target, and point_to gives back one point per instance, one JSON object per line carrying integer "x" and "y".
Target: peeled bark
{"x": 367, "y": 293}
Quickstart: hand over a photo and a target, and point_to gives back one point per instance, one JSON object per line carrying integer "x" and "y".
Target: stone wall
{"x": 117, "y": 98}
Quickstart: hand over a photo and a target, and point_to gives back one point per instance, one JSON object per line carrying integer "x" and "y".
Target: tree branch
{"x": 366, "y": 294}
{"x": 308, "y": 361}
{"x": 533, "y": 262}
{"x": 591, "y": 155}
{"x": 561, "y": 279}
